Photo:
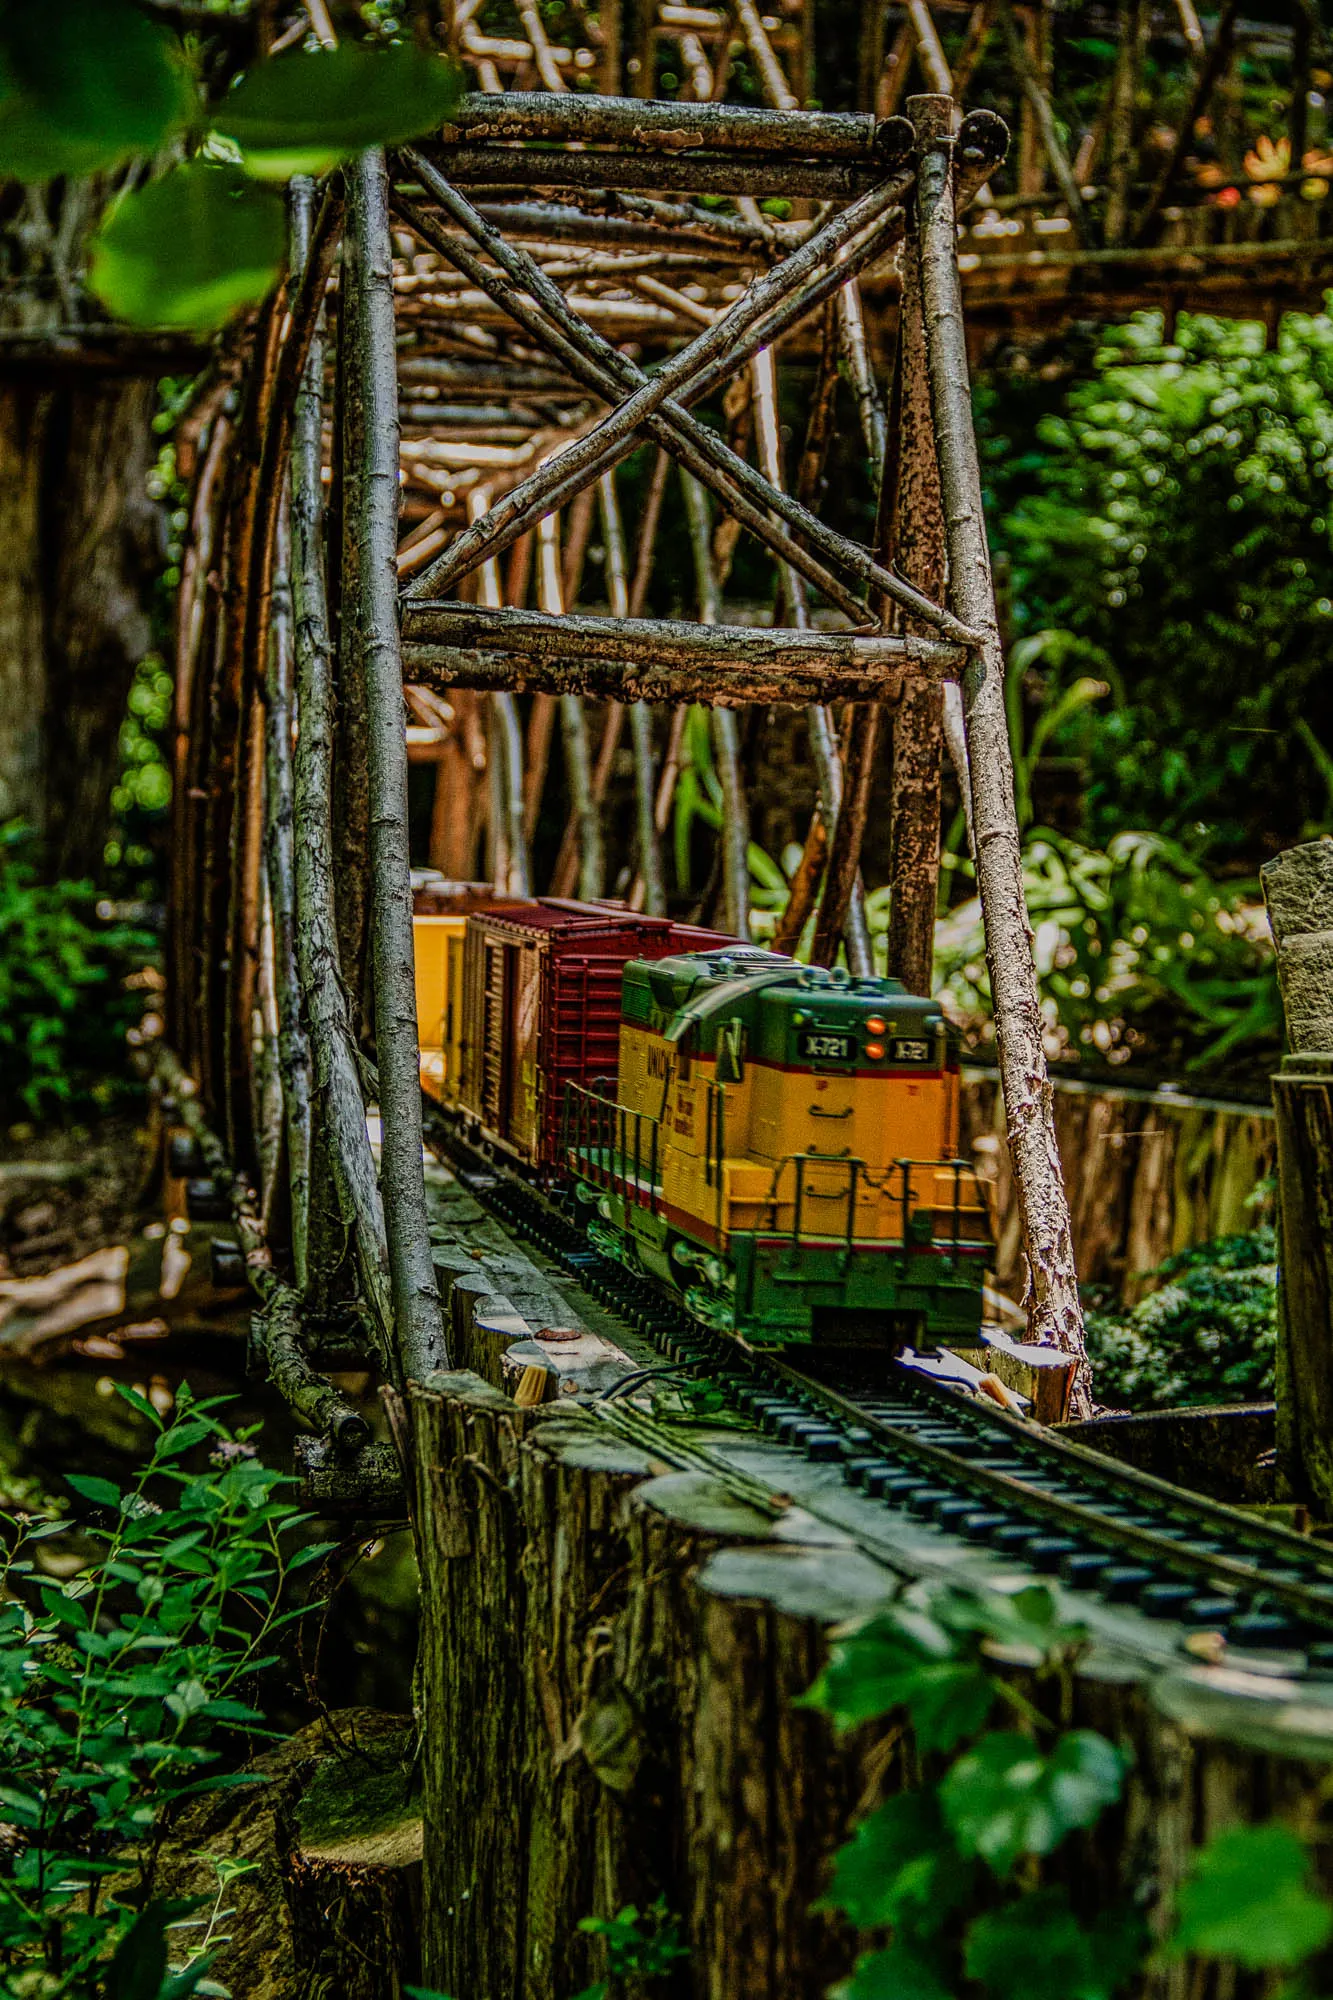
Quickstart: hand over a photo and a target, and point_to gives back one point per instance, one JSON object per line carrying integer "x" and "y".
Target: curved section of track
{"x": 1031, "y": 1495}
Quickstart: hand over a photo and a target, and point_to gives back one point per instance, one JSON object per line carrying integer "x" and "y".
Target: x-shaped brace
{"x": 659, "y": 403}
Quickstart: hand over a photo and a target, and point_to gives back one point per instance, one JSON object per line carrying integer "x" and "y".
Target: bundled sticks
{"x": 518, "y": 419}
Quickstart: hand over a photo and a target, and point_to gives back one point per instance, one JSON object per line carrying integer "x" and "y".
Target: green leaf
{"x": 189, "y": 249}
{"x": 100, "y": 1491}
{"x": 140, "y": 1963}
{"x": 1004, "y": 1798}
{"x": 1249, "y": 1899}
{"x": 900, "y": 1867}
{"x": 138, "y": 1401}
{"x": 303, "y": 113}
{"x": 313, "y": 1552}
{"x": 1036, "y": 1949}
{"x": 900, "y": 1973}
{"x": 85, "y": 84}
{"x": 903, "y": 1658}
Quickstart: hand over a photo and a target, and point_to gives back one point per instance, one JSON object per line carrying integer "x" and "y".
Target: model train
{"x": 774, "y": 1141}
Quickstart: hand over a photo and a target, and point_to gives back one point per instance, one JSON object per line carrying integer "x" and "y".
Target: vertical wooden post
{"x": 280, "y": 854}
{"x": 1054, "y": 1309}
{"x": 1122, "y": 149}
{"x": 1298, "y": 889}
{"x": 913, "y": 516}
{"x": 640, "y": 715}
{"x": 344, "y": 1193}
{"x": 735, "y": 831}
{"x": 372, "y": 394}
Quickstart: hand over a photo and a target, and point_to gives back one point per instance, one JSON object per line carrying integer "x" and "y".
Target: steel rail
{"x": 1260, "y": 1569}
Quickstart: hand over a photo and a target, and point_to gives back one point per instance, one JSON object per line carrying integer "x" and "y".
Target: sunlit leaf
{"x": 302, "y": 113}
{"x": 1250, "y": 1899}
{"x": 189, "y": 249}
{"x": 903, "y": 1658}
{"x": 1005, "y": 1798}
{"x": 85, "y": 84}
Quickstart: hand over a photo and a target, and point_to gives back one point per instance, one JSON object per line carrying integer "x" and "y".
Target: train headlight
{"x": 874, "y": 1026}
{"x": 875, "y": 1051}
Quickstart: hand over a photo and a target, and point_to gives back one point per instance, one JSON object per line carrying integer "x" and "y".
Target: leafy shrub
{"x": 1209, "y": 1335}
{"x": 1176, "y": 514}
{"x": 64, "y": 1007}
{"x": 954, "y": 1868}
{"x": 116, "y": 1687}
{"x": 1137, "y": 949}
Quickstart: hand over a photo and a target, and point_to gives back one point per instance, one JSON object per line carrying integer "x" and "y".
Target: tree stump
{"x": 612, "y": 1657}
{"x": 330, "y": 1906}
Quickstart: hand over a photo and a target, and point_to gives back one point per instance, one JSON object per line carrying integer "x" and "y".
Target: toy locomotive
{"x": 774, "y": 1141}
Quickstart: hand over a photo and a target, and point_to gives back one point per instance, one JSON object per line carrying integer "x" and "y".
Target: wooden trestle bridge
{"x": 399, "y": 490}
{"x": 413, "y": 534}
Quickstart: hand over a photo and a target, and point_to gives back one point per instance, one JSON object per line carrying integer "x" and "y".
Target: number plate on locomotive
{"x": 906, "y": 1050}
{"x": 817, "y": 1045}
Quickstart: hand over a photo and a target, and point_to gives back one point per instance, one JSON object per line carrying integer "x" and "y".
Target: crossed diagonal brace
{"x": 659, "y": 404}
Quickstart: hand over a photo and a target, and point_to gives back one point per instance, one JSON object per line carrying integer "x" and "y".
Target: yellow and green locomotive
{"x": 780, "y": 1146}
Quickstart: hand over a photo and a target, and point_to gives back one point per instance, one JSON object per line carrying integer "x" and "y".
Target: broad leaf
{"x": 900, "y": 1867}
{"x": 1004, "y": 1798}
{"x": 85, "y": 84}
{"x": 903, "y": 1658}
{"x": 303, "y": 113}
{"x": 140, "y": 1964}
{"x": 189, "y": 249}
{"x": 100, "y": 1491}
{"x": 138, "y": 1401}
{"x": 1036, "y": 1949}
{"x": 1249, "y": 1898}
{"x": 900, "y": 1973}
{"x": 313, "y": 1552}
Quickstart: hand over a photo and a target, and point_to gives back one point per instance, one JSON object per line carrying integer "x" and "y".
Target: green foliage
{"x": 699, "y": 801}
{"x": 905, "y": 1658}
{"x": 1207, "y": 1335}
{"x": 86, "y": 85}
{"x": 639, "y": 1945}
{"x": 1003, "y": 1798}
{"x": 303, "y": 113}
{"x": 1037, "y": 1949}
{"x": 1137, "y": 948}
{"x": 1175, "y": 516}
{"x": 1250, "y": 1899}
{"x": 117, "y": 1687}
{"x": 86, "y": 90}
{"x": 64, "y": 1008}
{"x": 226, "y": 235}
{"x": 953, "y": 1869}
{"x": 900, "y": 1867}
{"x": 145, "y": 779}
{"x": 903, "y": 1972}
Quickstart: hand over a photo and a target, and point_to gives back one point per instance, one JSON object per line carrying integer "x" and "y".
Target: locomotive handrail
{"x": 595, "y": 1137}
{"x": 857, "y": 1170}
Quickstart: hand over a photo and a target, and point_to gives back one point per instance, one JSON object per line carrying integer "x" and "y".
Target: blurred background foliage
{"x": 1170, "y": 514}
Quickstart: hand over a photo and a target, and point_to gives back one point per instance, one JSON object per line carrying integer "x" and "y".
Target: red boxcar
{"x": 541, "y": 1008}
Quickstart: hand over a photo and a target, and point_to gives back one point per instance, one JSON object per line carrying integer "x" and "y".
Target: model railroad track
{"x": 1033, "y": 1497}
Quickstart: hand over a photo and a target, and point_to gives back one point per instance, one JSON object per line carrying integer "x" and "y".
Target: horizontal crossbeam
{"x": 665, "y": 126}
{"x": 660, "y": 660}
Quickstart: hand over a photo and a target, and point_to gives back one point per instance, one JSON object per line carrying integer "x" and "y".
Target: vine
{"x": 953, "y": 1870}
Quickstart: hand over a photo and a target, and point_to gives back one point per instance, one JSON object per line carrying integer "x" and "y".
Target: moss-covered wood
{"x": 613, "y": 1655}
